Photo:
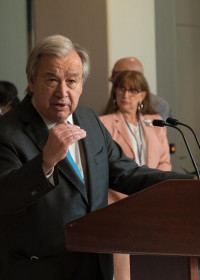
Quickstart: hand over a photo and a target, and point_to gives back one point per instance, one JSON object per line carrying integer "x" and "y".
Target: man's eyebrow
{"x": 74, "y": 74}
{"x": 50, "y": 74}
{"x": 68, "y": 75}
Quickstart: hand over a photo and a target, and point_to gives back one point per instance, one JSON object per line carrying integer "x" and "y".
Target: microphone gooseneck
{"x": 162, "y": 123}
{"x": 176, "y": 122}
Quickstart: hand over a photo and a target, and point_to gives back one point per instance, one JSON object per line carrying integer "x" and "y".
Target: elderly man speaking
{"x": 57, "y": 161}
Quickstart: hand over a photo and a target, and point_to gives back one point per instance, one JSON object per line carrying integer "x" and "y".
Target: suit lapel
{"x": 35, "y": 128}
{"x": 88, "y": 155}
{"x": 38, "y": 132}
{"x": 68, "y": 171}
{"x": 66, "y": 168}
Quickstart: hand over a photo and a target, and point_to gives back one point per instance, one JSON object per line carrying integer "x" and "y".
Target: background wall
{"x": 13, "y": 43}
{"x": 178, "y": 70}
{"x": 83, "y": 22}
{"x": 131, "y": 32}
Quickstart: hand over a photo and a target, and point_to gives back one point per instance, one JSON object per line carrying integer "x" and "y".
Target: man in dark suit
{"x": 40, "y": 192}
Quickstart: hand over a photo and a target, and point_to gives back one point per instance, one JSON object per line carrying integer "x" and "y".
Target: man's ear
{"x": 31, "y": 85}
{"x": 81, "y": 90}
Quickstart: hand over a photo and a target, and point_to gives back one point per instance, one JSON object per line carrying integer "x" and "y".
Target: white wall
{"x": 131, "y": 32}
{"x": 13, "y": 43}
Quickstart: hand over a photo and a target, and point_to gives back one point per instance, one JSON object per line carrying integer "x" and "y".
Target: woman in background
{"x": 128, "y": 117}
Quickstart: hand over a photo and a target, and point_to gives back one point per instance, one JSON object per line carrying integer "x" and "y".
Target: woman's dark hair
{"x": 8, "y": 94}
{"x": 135, "y": 80}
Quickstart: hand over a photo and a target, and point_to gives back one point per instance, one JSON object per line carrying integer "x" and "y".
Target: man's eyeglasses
{"x": 123, "y": 90}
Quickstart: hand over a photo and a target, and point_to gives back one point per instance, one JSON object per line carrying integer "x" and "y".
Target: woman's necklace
{"x": 139, "y": 145}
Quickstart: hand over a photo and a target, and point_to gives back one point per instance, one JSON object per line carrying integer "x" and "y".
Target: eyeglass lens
{"x": 130, "y": 90}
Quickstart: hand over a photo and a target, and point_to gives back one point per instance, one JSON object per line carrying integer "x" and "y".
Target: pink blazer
{"x": 156, "y": 139}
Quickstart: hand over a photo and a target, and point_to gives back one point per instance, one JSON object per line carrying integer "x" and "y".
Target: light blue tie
{"x": 73, "y": 164}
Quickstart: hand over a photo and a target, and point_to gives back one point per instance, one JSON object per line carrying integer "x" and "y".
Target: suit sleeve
{"x": 21, "y": 182}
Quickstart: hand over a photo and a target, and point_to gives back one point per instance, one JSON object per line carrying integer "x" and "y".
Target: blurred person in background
{"x": 132, "y": 63}
{"x": 8, "y": 96}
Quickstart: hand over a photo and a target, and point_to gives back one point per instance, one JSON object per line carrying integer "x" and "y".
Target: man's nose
{"x": 62, "y": 89}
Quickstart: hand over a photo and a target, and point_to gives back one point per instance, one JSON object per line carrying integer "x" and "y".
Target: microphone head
{"x": 172, "y": 121}
{"x": 160, "y": 123}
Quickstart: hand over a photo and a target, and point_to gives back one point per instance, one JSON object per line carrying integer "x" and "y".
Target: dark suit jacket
{"x": 34, "y": 213}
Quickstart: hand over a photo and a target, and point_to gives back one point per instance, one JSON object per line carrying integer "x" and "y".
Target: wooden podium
{"x": 159, "y": 227}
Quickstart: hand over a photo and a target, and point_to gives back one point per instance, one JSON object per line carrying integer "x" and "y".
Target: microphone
{"x": 176, "y": 122}
{"x": 162, "y": 123}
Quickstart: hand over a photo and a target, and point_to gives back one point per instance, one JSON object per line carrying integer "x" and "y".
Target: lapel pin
{"x": 148, "y": 122}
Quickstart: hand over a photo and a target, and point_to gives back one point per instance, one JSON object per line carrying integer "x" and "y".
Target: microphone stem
{"x": 192, "y": 132}
{"x": 190, "y": 153}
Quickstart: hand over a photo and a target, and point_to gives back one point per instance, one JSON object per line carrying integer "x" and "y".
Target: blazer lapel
{"x": 122, "y": 129}
{"x": 150, "y": 136}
